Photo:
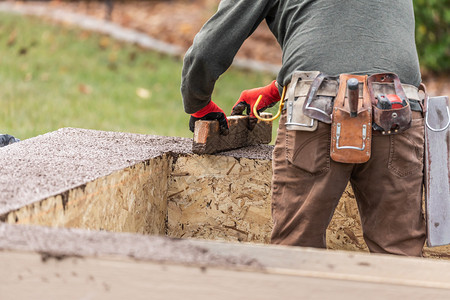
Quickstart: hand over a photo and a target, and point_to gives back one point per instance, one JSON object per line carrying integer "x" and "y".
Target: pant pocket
{"x": 407, "y": 150}
{"x": 309, "y": 151}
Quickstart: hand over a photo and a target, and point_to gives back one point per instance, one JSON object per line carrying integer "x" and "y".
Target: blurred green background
{"x": 54, "y": 75}
{"x": 433, "y": 34}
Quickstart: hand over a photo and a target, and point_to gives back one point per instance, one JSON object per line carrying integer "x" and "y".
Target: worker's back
{"x": 345, "y": 36}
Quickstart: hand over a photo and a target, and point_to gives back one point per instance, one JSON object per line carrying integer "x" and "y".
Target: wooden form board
{"x": 243, "y": 132}
{"x": 437, "y": 170}
{"x": 88, "y": 278}
{"x": 117, "y": 266}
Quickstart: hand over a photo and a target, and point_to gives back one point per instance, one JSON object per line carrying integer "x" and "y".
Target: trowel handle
{"x": 353, "y": 96}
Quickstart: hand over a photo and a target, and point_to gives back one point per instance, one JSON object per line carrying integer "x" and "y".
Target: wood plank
{"x": 437, "y": 164}
{"x": 130, "y": 200}
{"x": 243, "y": 132}
{"x": 217, "y": 197}
{"x": 26, "y": 275}
{"x": 199, "y": 269}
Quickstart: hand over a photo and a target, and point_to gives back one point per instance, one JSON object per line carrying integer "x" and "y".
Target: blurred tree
{"x": 433, "y": 34}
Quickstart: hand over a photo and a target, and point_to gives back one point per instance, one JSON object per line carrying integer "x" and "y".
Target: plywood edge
{"x": 133, "y": 199}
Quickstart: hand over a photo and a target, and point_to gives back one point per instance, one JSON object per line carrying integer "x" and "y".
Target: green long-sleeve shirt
{"x": 332, "y": 36}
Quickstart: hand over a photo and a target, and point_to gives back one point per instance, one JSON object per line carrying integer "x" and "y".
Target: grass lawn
{"x": 53, "y": 76}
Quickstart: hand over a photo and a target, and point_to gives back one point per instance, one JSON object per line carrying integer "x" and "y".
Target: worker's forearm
{"x": 215, "y": 46}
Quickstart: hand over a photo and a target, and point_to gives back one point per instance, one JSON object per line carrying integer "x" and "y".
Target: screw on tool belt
{"x": 391, "y": 112}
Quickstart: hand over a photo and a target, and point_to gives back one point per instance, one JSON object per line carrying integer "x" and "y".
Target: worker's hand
{"x": 247, "y": 100}
{"x": 210, "y": 112}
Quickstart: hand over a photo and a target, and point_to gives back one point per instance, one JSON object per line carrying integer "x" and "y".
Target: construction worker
{"x": 334, "y": 37}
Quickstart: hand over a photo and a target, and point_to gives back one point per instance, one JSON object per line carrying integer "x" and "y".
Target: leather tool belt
{"x": 313, "y": 96}
{"x": 310, "y": 96}
{"x": 351, "y": 127}
{"x": 386, "y": 118}
{"x": 296, "y": 95}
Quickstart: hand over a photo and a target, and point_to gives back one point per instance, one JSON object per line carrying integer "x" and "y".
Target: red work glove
{"x": 210, "y": 112}
{"x": 247, "y": 100}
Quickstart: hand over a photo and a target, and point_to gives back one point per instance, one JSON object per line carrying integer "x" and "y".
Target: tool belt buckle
{"x": 386, "y": 118}
{"x": 351, "y": 132}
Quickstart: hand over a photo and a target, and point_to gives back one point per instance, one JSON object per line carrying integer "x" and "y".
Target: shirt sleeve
{"x": 215, "y": 46}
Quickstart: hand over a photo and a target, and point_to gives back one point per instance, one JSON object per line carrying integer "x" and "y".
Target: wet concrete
{"x": 253, "y": 152}
{"x": 61, "y": 243}
{"x": 56, "y": 162}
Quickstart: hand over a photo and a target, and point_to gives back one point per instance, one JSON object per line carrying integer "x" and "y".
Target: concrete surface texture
{"x": 70, "y": 242}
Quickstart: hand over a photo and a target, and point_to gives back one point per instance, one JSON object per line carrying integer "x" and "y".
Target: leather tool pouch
{"x": 394, "y": 120}
{"x": 351, "y": 136}
{"x": 296, "y": 96}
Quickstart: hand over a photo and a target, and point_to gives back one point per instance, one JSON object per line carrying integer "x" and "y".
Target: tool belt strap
{"x": 329, "y": 87}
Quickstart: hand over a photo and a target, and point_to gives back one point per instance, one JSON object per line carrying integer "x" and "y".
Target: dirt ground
{"x": 177, "y": 22}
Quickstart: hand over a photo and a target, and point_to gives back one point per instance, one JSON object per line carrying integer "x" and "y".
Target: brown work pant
{"x": 307, "y": 186}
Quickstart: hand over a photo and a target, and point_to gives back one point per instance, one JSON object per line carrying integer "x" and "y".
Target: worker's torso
{"x": 346, "y": 36}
